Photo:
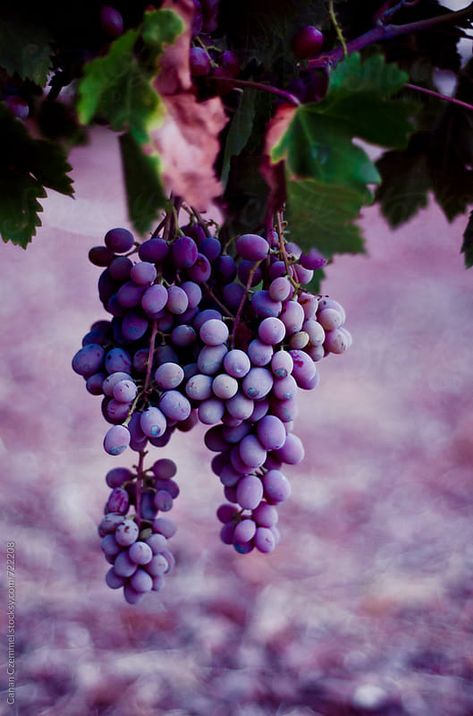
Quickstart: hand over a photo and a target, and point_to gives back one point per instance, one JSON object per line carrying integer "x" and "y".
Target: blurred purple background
{"x": 365, "y": 607}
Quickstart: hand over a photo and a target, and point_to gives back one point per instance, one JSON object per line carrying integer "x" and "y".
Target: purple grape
{"x": 304, "y": 367}
{"x": 168, "y": 376}
{"x": 277, "y": 270}
{"x": 118, "y": 501}
{"x": 174, "y": 405}
{"x": 249, "y": 492}
{"x": 257, "y": 383}
{"x": 232, "y": 295}
{"x": 213, "y": 332}
{"x": 233, "y": 435}
{"x": 113, "y": 580}
{"x": 169, "y": 485}
{"x": 252, "y": 247}
{"x": 111, "y": 381}
{"x": 199, "y": 62}
{"x": 265, "y": 515}
{"x": 164, "y": 322}
{"x": 119, "y": 240}
{"x": 120, "y": 268}
{"x": 236, "y": 363}
{"x": 229, "y": 476}
{"x": 140, "y": 553}
{"x": 207, "y": 315}
{"x": 201, "y": 269}
{"x": 260, "y": 409}
{"x": 101, "y": 256}
{"x": 117, "y": 360}
{"x": 158, "y": 565}
{"x": 153, "y": 423}
{"x": 153, "y": 250}
{"x": 271, "y": 331}
{"x": 126, "y": 533}
{"x": 316, "y": 353}
{"x": 140, "y": 360}
{"x": 276, "y": 486}
{"x": 131, "y": 595}
{"x": 154, "y": 299}
{"x": 315, "y": 332}
{"x": 141, "y": 581}
{"x": 243, "y": 548}
{"x": 286, "y": 410}
{"x": 143, "y": 273}
{"x": 94, "y": 383}
{"x": 211, "y": 411}
{"x": 112, "y": 21}
{"x": 281, "y": 364}
{"x": 327, "y": 302}
{"x": 177, "y": 301}
{"x": 109, "y": 546}
{"x": 130, "y": 295}
{"x": 193, "y": 292}
{"x": 157, "y": 542}
{"x": 330, "y": 319}
{"x": 219, "y": 462}
{"x": 252, "y": 452}
{"x": 116, "y": 440}
{"x": 117, "y": 476}
{"x": 164, "y": 469}
{"x": 210, "y": 359}
{"x": 263, "y": 306}
{"x": 280, "y": 289}
{"x": 285, "y": 388}
{"x": 271, "y": 432}
{"x": 302, "y": 275}
{"x": 183, "y": 336}
{"x": 125, "y": 391}
{"x": 166, "y": 354}
{"x": 312, "y": 260}
{"x": 264, "y": 540}
{"x": 109, "y": 524}
{"x": 239, "y": 406}
{"x": 225, "y": 268}
{"x": 147, "y": 506}
{"x": 292, "y": 452}
{"x": 260, "y": 353}
{"x": 244, "y": 531}
{"x": 224, "y": 386}
{"x": 211, "y": 248}
{"x": 88, "y": 360}
{"x": 230, "y": 494}
{"x": 163, "y": 501}
{"x": 226, "y": 513}
{"x": 116, "y": 412}
{"x": 164, "y": 526}
{"x": 292, "y": 316}
{"x": 309, "y": 303}
{"x": 123, "y": 566}
{"x": 184, "y": 252}
{"x": 214, "y": 439}
{"x": 199, "y": 387}
{"x": 226, "y": 533}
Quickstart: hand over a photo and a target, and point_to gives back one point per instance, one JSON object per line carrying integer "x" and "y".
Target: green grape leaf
{"x": 239, "y": 131}
{"x": 27, "y": 166}
{"x": 25, "y": 50}
{"x": 323, "y": 215}
{"x": 328, "y": 176}
{"x": 116, "y": 88}
{"x": 144, "y": 190}
{"x": 160, "y": 28}
{"x": 405, "y": 182}
{"x": 467, "y": 247}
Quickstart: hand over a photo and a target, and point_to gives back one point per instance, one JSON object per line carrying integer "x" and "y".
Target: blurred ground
{"x": 366, "y": 606}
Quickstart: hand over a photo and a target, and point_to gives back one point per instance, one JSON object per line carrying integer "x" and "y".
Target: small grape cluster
{"x": 199, "y": 333}
{"x": 137, "y": 547}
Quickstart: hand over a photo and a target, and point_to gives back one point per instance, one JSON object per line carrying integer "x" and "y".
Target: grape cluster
{"x": 202, "y": 334}
{"x": 137, "y": 548}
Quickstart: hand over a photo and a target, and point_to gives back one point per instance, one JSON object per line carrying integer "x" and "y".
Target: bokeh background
{"x": 366, "y": 607}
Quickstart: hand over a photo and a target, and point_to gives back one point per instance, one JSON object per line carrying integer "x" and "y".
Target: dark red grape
{"x": 307, "y": 42}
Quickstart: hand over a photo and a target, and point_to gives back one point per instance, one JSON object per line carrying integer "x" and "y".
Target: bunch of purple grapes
{"x": 202, "y": 334}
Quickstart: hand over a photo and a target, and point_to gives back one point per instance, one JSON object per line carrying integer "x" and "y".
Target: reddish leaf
{"x": 187, "y": 140}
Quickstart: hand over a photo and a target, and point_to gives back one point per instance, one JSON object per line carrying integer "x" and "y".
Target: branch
{"x": 387, "y": 32}
{"x": 438, "y": 95}
{"x": 291, "y": 98}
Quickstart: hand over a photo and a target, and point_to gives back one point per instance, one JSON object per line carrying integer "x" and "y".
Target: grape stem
{"x": 337, "y": 26}
{"x": 381, "y": 33}
{"x": 140, "y": 473}
{"x": 439, "y": 95}
{"x": 249, "y": 281}
{"x": 282, "y": 249}
{"x": 217, "y": 300}
{"x": 288, "y": 96}
{"x": 149, "y": 367}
